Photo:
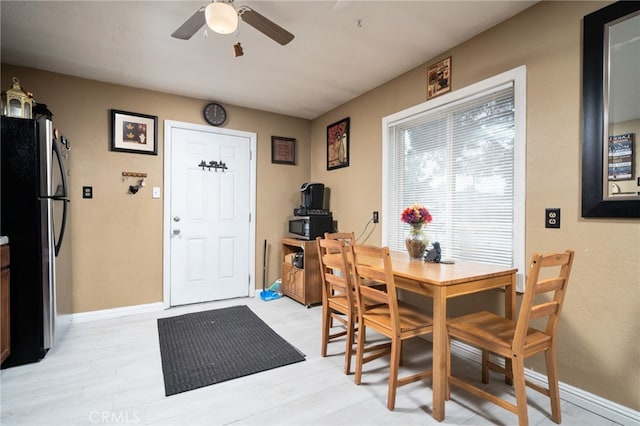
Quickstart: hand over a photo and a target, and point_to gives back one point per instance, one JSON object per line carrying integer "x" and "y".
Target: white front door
{"x": 210, "y": 205}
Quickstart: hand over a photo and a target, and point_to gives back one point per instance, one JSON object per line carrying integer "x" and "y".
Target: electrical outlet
{"x": 375, "y": 217}
{"x": 552, "y": 218}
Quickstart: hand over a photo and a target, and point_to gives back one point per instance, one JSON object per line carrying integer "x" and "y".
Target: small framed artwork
{"x": 283, "y": 150}
{"x": 439, "y": 78}
{"x": 338, "y": 144}
{"x": 133, "y": 132}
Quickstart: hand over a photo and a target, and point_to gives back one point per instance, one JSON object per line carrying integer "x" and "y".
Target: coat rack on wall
{"x": 133, "y": 189}
{"x": 215, "y": 165}
{"x": 134, "y": 174}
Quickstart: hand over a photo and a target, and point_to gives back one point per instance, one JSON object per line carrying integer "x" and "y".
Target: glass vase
{"x": 416, "y": 241}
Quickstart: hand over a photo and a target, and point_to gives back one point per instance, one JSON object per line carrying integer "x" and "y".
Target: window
{"x": 462, "y": 156}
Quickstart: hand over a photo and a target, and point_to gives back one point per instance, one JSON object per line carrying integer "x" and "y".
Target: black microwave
{"x": 310, "y": 227}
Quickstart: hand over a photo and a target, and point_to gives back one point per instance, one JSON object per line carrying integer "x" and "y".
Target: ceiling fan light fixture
{"x": 221, "y": 17}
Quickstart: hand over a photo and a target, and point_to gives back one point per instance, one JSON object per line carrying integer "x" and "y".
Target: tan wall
{"x": 599, "y": 340}
{"x": 117, "y": 237}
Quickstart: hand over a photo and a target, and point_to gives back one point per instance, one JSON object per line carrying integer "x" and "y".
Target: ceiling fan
{"x": 222, "y": 17}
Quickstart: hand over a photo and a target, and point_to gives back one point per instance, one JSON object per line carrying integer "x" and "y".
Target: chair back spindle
{"x": 347, "y": 237}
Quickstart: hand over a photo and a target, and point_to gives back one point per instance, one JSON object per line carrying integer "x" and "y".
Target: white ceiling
{"x": 341, "y": 49}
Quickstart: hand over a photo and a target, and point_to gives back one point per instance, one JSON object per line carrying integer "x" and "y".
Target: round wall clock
{"x": 214, "y": 114}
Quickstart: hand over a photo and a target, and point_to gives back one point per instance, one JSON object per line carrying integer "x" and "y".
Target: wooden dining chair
{"x": 338, "y": 298}
{"x": 381, "y": 311}
{"x": 518, "y": 340}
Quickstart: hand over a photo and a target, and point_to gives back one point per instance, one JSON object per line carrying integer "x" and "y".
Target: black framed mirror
{"x": 597, "y": 199}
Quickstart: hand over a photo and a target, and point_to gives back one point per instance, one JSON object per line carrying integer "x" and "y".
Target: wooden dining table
{"x": 441, "y": 281}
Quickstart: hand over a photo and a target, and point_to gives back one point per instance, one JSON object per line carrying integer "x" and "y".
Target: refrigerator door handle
{"x": 61, "y": 197}
{"x": 63, "y": 225}
{"x": 63, "y": 174}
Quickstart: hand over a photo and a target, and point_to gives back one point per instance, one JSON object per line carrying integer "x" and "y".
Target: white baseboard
{"x": 117, "y": 312}
{"x": 583, "y": 399}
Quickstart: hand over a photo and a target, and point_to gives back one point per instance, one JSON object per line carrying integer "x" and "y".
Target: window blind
{"x": 458, "y": 160}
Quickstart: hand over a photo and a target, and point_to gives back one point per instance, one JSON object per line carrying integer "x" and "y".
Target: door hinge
{"x": 249, "y": 217}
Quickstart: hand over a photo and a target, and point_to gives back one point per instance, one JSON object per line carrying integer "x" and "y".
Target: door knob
{"x": 176, "y": 218}
{"x": 176, "y": 231}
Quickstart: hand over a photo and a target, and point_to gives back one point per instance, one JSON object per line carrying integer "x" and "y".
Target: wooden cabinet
{"x": 5, "y": 334}
{"x": 301, "y": 284}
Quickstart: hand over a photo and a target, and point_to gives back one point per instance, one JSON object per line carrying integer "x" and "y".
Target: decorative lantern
{"x": 16, "y": 102}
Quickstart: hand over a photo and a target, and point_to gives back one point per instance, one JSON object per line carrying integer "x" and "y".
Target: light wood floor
{"x": 109, "y": 372}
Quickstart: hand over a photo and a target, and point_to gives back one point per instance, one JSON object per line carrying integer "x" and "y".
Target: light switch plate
{"x": 155, "y": 192}
{"x": 87, "y": 192}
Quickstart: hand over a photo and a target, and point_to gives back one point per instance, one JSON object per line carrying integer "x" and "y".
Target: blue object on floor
{"x": 267, "y": 295}
{"x": 273, "y": 292}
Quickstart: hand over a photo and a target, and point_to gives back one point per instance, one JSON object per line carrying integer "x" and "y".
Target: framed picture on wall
{"x": 338, "y": 144}
{"x": 283, "y": 150}
{"x": 439, "y": 78}
{"x": 133, "y": 132}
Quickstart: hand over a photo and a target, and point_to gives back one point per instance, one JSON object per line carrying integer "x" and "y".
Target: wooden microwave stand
{"x": 302, "y": 285}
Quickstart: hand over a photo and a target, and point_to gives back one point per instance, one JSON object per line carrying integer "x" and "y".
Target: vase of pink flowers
{"x": 417, "y": 217}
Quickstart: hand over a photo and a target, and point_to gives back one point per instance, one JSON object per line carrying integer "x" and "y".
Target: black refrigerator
{"x": 34, "y": 215}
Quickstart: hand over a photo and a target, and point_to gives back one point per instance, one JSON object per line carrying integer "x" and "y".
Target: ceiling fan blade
{"x": 265, "y": 26}
{"x": 190, "y": 26}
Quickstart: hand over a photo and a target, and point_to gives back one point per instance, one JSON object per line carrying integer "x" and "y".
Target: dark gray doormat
{"x": 209, "y": 347}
